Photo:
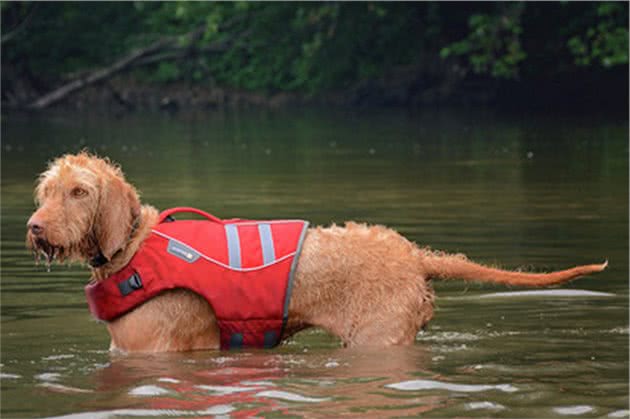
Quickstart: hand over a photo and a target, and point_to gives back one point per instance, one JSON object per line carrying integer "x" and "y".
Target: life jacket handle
{"x": 166, "y": 213}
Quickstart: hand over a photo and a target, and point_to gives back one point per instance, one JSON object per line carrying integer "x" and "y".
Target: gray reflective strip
{"x": 266, "y": 243}
{"x": 287, "y": 297}
{"x": 182, "y": 251}
{"x": 234, "y": 246}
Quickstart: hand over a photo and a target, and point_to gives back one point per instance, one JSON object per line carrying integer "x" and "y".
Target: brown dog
{"x": 365, "y": 284}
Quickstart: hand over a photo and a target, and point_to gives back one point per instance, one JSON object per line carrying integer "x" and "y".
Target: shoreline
{"x": 126, "y": 93}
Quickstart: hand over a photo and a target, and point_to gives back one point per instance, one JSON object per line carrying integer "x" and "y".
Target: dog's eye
{"x": 78, "y": 193}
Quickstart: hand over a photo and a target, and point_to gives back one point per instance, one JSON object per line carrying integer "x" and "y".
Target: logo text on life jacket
{"x": 182, "y": 251}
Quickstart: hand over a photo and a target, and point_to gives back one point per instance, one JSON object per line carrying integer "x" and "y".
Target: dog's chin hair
{"x": 48, "y": 251}
{"x": 80, "y": 251}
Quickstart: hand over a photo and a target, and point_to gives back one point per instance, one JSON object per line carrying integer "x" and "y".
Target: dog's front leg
{"x": 177, "y": 320}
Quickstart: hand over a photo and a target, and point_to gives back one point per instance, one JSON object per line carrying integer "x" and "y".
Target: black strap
{"x": 236, "y": 341}
{"x": 270, "y": 339}
{"x": 100, "y": 259}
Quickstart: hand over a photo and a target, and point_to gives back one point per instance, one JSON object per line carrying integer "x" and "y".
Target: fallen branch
{"x": 20, "y": 26}
{"x": 96, "y": 76}
{"x": 161, "y": 50}
{"x": 179, "y": 53}
{"x": 164, "y": 49}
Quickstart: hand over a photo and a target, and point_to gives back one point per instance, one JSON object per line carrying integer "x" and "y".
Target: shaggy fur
{"x": 365, "y": 284}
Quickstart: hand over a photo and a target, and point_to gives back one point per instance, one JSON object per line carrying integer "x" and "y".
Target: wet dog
{"x": 367, "y": 285}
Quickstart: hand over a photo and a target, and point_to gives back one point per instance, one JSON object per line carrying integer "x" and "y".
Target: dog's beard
{"x": 52, "y": 252}
{"x": 41, "y": 248}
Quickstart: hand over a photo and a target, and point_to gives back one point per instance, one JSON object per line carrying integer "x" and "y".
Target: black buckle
{"x": 130, "y": 284}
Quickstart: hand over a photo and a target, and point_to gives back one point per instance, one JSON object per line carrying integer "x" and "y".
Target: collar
{"x": 100, "y": 259}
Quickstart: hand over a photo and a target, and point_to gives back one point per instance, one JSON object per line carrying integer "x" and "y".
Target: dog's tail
{"x": 444, "y": 266}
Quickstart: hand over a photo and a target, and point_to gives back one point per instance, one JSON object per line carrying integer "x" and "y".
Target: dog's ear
{"x": 118, "y": 207}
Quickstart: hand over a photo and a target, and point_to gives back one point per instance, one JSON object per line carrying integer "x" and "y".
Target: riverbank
{"x": 608, "y": 93}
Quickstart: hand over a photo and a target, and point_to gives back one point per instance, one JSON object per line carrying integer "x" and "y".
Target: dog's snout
{"x": 36, "y": 226}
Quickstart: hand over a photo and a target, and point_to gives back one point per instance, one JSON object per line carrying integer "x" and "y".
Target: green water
{"x": 530, "y": 191}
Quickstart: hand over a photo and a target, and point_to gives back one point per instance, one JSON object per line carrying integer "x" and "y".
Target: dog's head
{"x": 84, "y": 206}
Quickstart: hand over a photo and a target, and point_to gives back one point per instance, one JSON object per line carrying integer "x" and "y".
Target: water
{"x": 526, "y": 191}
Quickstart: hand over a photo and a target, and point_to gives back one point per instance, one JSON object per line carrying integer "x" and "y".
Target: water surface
{"x": 522, "y": 191}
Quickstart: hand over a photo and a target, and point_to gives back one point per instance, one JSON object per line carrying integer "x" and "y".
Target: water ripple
{"x": 224, "y": 390}
{"x": 574, "y": 410}
{"x": 148, "y": 390}
{"x": 549, "y": 293}
{"x": 624, "y": 413}
{"x": 413, "y": 385}
{"x": 48, "y": 376}
{"x": 57, "y": 357}
{"x": 257, "y": 383}
{"x": 448, "y": 336}
{"x": 110, "y": 414}
{"x": 60, "y": 388}
{"x": 168, "y": 380}
{"x": 484, "y": 405}
{"x": 291, "y": 397}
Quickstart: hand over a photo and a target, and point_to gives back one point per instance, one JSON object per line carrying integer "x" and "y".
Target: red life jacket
{"x": 244, "y": 269}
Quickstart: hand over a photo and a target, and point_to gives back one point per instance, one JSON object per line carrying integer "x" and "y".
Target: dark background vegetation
{"x": 176, "y": 54}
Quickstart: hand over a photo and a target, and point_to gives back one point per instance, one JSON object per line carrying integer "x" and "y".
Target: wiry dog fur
{"x": 365, "y": 284}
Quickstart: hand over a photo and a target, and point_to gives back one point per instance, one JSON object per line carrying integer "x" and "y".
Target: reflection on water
{"x": 249, "y": 383}
{"x": 521, "y": 191}
{"x": 438, "y": 385}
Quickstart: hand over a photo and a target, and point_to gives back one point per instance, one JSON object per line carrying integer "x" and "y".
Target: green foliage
{"x": 493, "y": 45}
{"x": 166, "y": 72}
{"x": 309, "y": 47}
{"x": 605, "y": 40}
{"x": 68, "y": 37}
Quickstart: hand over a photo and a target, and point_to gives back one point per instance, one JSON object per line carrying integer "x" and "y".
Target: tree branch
{"x": 20, "y": 26}
{"x": 96, "y": 76}
{"x": 161, "y": 50}
{"x": 182, "y": 52}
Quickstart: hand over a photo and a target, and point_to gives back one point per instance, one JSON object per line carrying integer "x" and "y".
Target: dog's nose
{"x": 36, "y": 226}
{"x": 36, "y": 229}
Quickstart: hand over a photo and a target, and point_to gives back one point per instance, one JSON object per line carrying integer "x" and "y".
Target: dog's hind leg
{"x": 396, "y": 318}
{"x": 361, "y": 284}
